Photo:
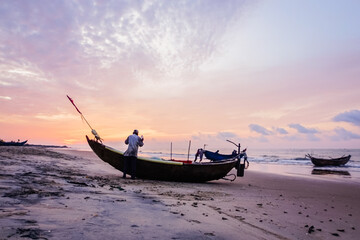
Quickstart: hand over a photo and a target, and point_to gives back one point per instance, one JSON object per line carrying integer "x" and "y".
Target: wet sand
{"x": 64, "y": 194}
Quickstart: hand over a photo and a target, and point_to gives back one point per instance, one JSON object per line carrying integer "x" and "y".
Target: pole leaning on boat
{"x": 93, "y": 131}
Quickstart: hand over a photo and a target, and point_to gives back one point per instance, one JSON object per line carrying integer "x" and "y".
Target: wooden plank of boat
{"x": 329, "y": 161}
{"x": 166, "y": 170}
{"x": 12, "y": 143}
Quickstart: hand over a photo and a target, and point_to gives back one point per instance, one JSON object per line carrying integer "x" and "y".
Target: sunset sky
{"x": 268, "y": 74}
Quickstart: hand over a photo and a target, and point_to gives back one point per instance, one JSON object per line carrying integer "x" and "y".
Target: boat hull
{"x": 320, "y": 162}
{"x": 13, "y": 143}
{"x": 165, "y": 170}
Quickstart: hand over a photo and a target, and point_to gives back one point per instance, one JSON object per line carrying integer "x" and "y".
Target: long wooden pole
{"x": 82, "y": 116}
{"x": 171, "y": 151}
{"x": 189, "y": 150}
{"x": 238, "y": 145}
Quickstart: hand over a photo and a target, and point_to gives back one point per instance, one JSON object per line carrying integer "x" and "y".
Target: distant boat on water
{"x": 12, "y": 143}
{"x": 320, "y": 162}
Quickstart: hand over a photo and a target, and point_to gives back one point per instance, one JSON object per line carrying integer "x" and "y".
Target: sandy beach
{"x": 67, "y": 194}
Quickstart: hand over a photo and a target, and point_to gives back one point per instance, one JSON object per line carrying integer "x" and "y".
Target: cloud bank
{"x": 153, "y": 39}
{"x": 302, "y": 129}
{"x": 259, "y": 129}
{"x": 343, "y": 134}
{"x": 352, "y": 117}
{"x": 281, "y": 131}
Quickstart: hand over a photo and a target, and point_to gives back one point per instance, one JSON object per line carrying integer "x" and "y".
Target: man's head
{"x": 136, "y": 132}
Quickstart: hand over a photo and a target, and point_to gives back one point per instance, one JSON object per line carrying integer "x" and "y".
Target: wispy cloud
{"x": 343, "y": 134}
{"x": 259, "y": 129}
{"x": 226, "y": 135}
{"x": 117, "y": 43}
{"x": 352, "y": 117}
{"x": 56, "y": 117}
{"x": 302, "y": 129}
{"x": 280, "y": 130}
{"x": 21, "y": 73}
{"x": 157, "y": 36}
{"x": 312, "y": 138}
{"x": 5, "y": 97}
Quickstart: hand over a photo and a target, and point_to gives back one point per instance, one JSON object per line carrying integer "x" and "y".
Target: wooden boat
{"x": 166, "y": 170}
{"x": 12, "y": 143}
{"x": 329, "y": 161}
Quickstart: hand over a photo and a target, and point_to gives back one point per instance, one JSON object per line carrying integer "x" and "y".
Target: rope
{"x": 227, "y": 179}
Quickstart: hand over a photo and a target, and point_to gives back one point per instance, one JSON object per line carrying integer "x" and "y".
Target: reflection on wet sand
{"x": 317, "y": 171}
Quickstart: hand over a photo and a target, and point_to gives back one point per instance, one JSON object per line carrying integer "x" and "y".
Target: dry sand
{"x": 63, "y": 194}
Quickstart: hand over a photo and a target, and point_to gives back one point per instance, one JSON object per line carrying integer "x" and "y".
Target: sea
{"x": 292, "y": 162}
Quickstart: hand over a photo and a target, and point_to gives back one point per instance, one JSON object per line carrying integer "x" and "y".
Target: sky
{"x": 266, "y": 74}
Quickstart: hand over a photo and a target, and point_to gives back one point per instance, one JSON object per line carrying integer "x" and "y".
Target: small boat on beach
{"x": 215, "y": 156}
{"x": 12, "y": 143}
{"x": 320, "y": 162}
{"x": 166, "y": 170}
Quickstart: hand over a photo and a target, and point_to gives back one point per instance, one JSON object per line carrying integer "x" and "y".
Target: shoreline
{"x": 73, "y": 194}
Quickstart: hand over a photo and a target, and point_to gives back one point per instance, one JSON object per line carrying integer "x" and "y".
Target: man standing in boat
{"x": 134, "y": 141}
